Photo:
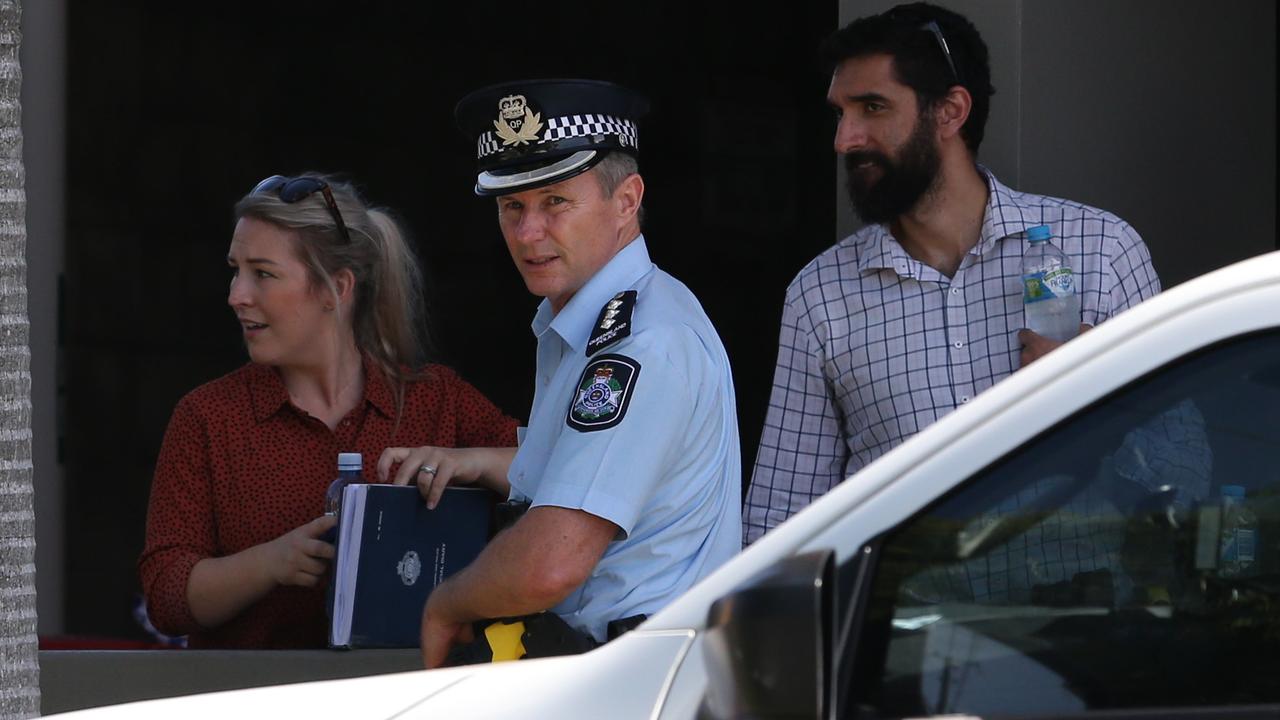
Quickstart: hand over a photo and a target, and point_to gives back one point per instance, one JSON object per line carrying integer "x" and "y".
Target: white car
{"x": 1098, "y": 535}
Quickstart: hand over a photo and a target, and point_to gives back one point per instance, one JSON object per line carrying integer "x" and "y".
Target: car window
{"x": 1127, "y": 558}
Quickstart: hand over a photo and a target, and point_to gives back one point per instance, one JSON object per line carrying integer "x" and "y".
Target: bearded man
{"x": 921, "y": 310}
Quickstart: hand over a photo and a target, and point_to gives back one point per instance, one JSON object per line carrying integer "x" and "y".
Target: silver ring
{"x": 427, "y": 469}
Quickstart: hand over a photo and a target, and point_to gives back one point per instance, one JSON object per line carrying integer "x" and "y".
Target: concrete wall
{"x": 78, "y": 679}
{"x": 1162, "y": 111}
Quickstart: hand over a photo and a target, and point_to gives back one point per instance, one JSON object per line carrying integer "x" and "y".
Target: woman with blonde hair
{"x": 328, "y": 296}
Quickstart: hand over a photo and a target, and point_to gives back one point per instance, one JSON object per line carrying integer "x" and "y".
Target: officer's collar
{"x": 574, "y": 321}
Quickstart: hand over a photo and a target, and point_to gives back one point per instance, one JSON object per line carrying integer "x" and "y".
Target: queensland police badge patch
{"x": 603, "y": 392}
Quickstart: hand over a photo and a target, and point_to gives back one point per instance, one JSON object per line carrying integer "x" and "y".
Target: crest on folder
{"x": 409, "y": 568}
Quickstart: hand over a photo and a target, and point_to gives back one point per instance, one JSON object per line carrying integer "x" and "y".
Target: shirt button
{"x": 955, "y": 291}
{"x": 964, "y": 398}
{"x": 959, "y": 344}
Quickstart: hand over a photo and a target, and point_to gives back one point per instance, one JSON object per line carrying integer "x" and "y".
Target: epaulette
{"x": 614, "y": 322}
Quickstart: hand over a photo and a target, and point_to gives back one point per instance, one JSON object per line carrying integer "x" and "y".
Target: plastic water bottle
{"x": 349, "y": 467}
{"x": 1049, "y": 297}
{"x": 1239, "y": 534}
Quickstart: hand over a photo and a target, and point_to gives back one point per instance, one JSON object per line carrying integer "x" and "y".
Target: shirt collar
{"x": 884, "y": 252}
{"x": 268, "y": 394}
{"x": 574, "y": 321}
{"x": 1003, "y": 217}
{"x": 1008, "y": 213}
{"x": 377, "y": 389}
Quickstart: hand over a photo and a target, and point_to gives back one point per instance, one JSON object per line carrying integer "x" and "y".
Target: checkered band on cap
{"x": 579, "y": 125}
{"x": 487, "y": 144}
{"x": 570, "y": 126}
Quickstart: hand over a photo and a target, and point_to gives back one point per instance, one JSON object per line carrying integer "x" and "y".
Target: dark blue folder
{"x": 392, "y": 551}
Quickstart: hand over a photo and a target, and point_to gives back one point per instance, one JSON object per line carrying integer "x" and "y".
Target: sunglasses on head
{"x": 932, "y": 26}
{"x": 906, "y": 16}
{"x": 292, "y": 190}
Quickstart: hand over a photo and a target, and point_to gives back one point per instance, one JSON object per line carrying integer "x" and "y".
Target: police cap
{"x": 532, "y": 133}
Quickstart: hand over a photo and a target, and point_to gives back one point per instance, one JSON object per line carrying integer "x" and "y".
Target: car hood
{"x": 623, "y": 679}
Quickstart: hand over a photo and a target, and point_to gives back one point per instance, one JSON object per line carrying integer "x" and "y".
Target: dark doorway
{"x": 176, "y": 109}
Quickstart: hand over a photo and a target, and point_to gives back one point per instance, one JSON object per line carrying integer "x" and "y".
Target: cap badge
{"x": 517, "y": 124}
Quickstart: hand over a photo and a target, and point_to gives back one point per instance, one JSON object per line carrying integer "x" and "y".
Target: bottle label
{"x": 1244, "y": 546}
{"x": 1057, "y": 283}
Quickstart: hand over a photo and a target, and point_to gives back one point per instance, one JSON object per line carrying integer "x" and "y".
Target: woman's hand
{"x": 300, "y": 557}
{"x": 433, "y": 469}
{"x": 220, "y": 588}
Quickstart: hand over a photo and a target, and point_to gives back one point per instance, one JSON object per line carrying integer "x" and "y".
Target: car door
{"x": 1125, "y": 562}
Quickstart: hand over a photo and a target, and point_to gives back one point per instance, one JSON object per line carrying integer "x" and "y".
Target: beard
{"x": 903, "y": 181}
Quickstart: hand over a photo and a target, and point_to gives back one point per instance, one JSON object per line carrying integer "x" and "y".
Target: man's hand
{"x": 1036, "y": 346}
{"x": 528, "y": 568}
{"x": 439, "y": 636}
{"x": 300, "y": 557}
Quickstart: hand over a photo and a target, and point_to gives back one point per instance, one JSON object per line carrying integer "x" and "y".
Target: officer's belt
{"x": 539, "y": 635}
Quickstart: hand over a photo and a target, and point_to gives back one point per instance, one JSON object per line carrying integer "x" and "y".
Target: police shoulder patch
{"x": 614, "y": 322}
{"x": 600, "y": 400}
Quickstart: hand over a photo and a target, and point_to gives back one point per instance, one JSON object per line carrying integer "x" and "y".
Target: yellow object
{"x": 504, "y": 640}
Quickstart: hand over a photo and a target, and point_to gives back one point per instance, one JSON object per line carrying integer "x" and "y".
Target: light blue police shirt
{"x": 667, "y": 473}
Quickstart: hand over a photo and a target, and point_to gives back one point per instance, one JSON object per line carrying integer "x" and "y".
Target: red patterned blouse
{"x": 241, "y": 465}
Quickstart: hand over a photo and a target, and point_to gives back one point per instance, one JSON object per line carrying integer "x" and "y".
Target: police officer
{"x": 630, "y": 462}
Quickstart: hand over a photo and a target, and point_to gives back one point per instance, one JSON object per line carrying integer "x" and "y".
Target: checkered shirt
{"x": 876, "y": 345}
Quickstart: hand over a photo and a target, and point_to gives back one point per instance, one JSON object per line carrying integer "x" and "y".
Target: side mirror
{"x": 768, "y": 645}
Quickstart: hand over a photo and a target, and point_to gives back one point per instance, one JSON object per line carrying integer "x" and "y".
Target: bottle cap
{"x": 1038, "y": 233}
{"x": 1233, "y": 490}
{"x": 350, "y": 461}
